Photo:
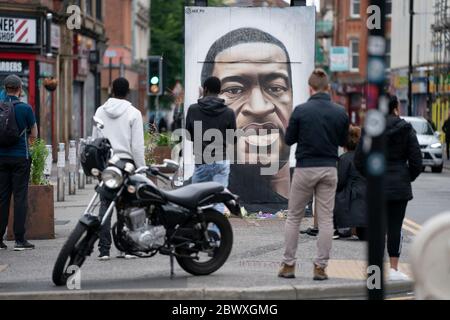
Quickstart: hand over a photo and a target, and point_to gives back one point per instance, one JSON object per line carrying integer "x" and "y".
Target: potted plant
{"x": 163, "y": 149}
{"x": 40, "y": 223}
{"x": 50, "y": 84}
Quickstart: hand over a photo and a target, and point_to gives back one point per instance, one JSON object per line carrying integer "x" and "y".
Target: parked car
{"x": 431, "y": 146}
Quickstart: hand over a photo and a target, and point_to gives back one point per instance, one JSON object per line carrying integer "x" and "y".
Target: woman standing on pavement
{"x": 351, "y": 207}
{"x": 403, "y": 166}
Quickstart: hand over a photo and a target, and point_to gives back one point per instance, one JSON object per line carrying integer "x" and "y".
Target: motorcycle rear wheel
{"x": 221, "y": 253}
{"x": 70, "y": 254}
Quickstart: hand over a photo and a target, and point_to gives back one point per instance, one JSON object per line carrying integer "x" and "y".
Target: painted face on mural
{"x": 256, "y": 84}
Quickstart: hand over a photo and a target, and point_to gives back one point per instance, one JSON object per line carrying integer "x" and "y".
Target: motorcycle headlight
{"x": 112, "y": 177}
{"x": 436, "y": 146}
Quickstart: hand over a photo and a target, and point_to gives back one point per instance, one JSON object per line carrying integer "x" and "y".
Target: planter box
{"x": 162, "y": 153}
{"x": 40, "y": 223}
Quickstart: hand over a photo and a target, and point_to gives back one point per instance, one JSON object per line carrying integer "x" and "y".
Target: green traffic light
{"x": 154, "y": 80}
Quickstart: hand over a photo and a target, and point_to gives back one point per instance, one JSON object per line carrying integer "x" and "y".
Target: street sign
{"x": 339, "y": 59}
{"x": 110, "y": 54}
{"x": 155, "y": 76}
{"x": 18, "y": 30}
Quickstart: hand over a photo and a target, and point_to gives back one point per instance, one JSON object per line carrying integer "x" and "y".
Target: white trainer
{"x": 104, "y": 258}
{"x": 395, "y": 275}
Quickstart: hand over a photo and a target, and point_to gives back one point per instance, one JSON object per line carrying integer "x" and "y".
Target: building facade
{"x": 128, "y": 44}
{"x": 350, "y": 31}
{"x": 56, "y": 63}
{"x": 431, "y": 63}
{"x": 423, "y": 55}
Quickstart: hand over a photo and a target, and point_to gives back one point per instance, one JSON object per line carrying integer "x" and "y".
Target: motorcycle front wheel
{"x": 73, "y": 253}
{"x": 220, "y": 233}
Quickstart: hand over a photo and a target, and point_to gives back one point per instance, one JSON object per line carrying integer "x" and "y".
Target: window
{"x": 99, "y": 10}
{"x": 389, "y": 7}
{"x": 388, "y": 53}
{"x": 89, "y": 7}
{"x": 354, "y": 55}
{"x": 355, "y": 8}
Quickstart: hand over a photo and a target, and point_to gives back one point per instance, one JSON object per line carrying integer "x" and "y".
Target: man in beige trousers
{"x": 318, "y": 127}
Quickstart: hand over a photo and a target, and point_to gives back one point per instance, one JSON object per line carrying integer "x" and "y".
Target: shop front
{"x": 21, "y": 48}
{"x": 85, "y": 87}
{"x": 24, "y": 66}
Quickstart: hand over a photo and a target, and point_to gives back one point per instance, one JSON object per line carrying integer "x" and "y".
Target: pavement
{"x": 446, "y": 164}
{"x": 250, "y": 272}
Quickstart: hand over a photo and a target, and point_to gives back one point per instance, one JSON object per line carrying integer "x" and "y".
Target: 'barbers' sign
{"x": 17, "y": 30}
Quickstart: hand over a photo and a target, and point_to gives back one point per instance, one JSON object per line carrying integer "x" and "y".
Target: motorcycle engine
{"x": 145, "y": 235}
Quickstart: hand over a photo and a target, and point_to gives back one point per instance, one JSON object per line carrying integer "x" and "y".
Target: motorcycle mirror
{"x": 98, "y": 123}
{"x": 172, "y": 165}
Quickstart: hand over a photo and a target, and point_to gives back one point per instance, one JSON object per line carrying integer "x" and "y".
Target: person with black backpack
{"x": 17, "y": 127}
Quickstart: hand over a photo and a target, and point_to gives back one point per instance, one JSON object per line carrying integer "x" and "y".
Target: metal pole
{"x": 201, "y": 3}
{"x": 157, "y": 112}
{"x": 110, "y": 77}
{"x": 48, "y": 35}
{"x": 81, "y": 175}
{"x": 72, "y": 167}
{"x": 410, "y": 68}
{"x": 295, "y": 3}
{"x": 61, "y": 172}
{"x": 89, "y": 178}
{"x": 48, "y": 163}
{"x": 374, "y": 149}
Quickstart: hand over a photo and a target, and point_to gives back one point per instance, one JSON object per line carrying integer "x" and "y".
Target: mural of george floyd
{"x": 263, "y": 56}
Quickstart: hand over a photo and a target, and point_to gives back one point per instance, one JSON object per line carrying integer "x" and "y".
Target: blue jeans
{"x": 217, "y": 172}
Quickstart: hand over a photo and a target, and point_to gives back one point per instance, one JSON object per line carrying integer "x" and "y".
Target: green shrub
{"x": 39, "y": 154}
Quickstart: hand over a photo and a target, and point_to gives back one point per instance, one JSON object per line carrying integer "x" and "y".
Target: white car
{"x": 431, "y": 146}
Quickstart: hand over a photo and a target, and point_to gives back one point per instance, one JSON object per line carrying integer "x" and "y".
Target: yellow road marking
{"x": 402, "y": 298}
{"x": 413, "y": 231}
{"x": 413, "y": 224}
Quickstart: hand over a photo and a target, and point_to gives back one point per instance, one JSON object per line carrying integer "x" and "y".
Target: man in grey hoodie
{"x": 125, "y": 130}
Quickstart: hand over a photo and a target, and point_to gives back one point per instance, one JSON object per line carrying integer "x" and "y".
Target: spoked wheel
{"x": 210, "y": 255}
{"x": 73, "y": 253}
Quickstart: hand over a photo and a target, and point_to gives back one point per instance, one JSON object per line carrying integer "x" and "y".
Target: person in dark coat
{"x": 403, "y": 166}
{"x": 446, "y": 129}
{"x": 351, "y": 207}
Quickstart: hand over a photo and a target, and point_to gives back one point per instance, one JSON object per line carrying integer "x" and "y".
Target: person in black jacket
{"x": 350, "y": 209}
{"x": 208, "y": 115}
{"x": 319, "y": 127}
{"x": 446, "y": 129}
{"x": 404, "y": 165}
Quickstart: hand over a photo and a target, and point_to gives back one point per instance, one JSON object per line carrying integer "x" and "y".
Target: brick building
{"x": 128, "y": 42}
{"x": 66, "y": 55}
{"x": 350, "y": 31}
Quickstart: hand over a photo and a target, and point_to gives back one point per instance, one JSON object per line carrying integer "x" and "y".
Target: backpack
{"x": 9, "y": 130}
{"x": 95, "y": 155}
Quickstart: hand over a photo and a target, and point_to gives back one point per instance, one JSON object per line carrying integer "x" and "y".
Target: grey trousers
{"x": 307, "y": 182}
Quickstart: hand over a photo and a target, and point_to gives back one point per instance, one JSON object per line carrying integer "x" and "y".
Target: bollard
{"x": 48, "y": 163}
{"x": 72, "y": 167}
{"x": 89, "y": 178}
{"x": 81, "y": 175}
{"x": 61, "y": 174}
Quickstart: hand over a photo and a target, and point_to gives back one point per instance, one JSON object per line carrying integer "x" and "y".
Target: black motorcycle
{"x": 181, "y": 223}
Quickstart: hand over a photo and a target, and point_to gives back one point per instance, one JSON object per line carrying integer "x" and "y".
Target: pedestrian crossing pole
{"x": 374, "y": 145}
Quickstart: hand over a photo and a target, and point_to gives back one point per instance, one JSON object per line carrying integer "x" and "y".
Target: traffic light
{"x": 155, "y": 76}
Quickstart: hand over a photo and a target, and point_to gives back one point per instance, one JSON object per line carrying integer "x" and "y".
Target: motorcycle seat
{"x": 191, "y": 195}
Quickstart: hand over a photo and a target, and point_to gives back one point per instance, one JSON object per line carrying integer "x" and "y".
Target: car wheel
{"x": 437, "y": 169}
